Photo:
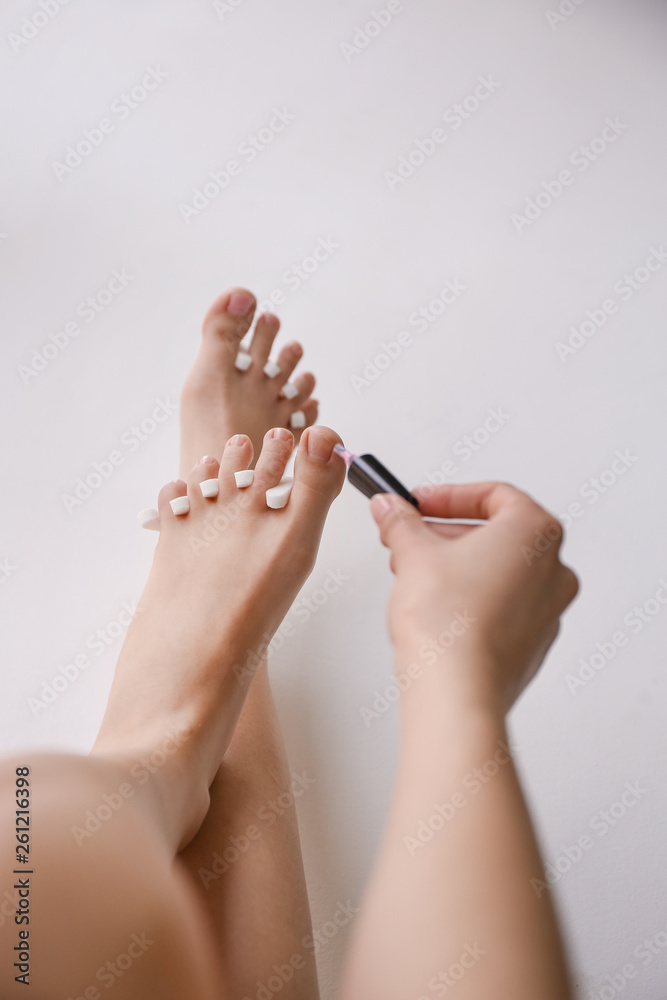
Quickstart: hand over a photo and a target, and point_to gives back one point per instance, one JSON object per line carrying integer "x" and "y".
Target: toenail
{"x": 210, "y": 488}
{"x": 206, "y": 460}
{"x": 278, "y": 496}
{"x": 244, "y": 478}
{"x": 280, "y": 434}
{"x": 271, "y": 369}
{"x": 296, "y": 348}
{"x": 270, "y": 318}
{"x": 181, "y": 505}
{"x": 290, "y": 391}
{"x": 149, "y": 518}
{"x": 240, "y": 303}
{"x": 238, "y": 440}
{"x": 318, "y": 446}
{"x": 298, "y": 419}
{"x": 243, "y": 360}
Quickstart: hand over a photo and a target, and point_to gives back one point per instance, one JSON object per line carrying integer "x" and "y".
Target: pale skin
{"x": 190, "y": 750}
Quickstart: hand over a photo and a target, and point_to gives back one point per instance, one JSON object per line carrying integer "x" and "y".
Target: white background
{"x": 324, "y": 176}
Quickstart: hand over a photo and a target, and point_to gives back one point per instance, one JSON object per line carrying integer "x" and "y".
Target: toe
{"x": 310, "y": 410}
{"x": 270, "y": 469}
{"x": 203, "y": 484}
{"x": 172, "y": 491}
{"x": 319, "y": 473}
{"x": 229, "y": 319}
{"x": 305, "y": 384}
{"x": 236, "y": 457}
{"x": 262, "y": 339}
{"x": 288, "y": 359}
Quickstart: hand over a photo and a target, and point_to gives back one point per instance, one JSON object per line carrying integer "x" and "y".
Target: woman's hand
{"x": 483, "y": 602}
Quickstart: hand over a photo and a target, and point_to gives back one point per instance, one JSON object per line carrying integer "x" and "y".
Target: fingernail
{"x": 240, "y": 303}
{"x": 206, "y": 459}
{"x": 380, "y": 503}
{"x": 237, "y": 441}
{"x": 319, "y": 446}
{"x": 281, "y": 434}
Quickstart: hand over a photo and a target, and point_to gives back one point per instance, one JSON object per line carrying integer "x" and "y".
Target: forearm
{"x": 452, "y": 891}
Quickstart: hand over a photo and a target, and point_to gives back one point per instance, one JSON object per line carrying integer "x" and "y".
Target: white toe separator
{"x": 210, "y": 487}
{"x": 181, "y": 505}
{"x": 243, "y": 360}
{"x": 298, "y": 419}
{"x": 271, "y": 369}
{"x": 278, "y": 496}
{"x": 149, "y": 518}
{"x": 289, "y": 390}
{"x": 244, "y": 478}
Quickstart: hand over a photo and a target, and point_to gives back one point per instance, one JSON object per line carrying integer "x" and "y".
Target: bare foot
{"x": 223, "y": 578}
{"x": 219, "y": 400}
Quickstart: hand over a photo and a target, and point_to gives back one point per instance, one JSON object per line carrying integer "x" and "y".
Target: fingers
{"x": 401, "y": 526}
{"x": 470, "y": 500}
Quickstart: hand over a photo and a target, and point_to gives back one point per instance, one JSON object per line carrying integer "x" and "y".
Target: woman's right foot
{"x": 223, "y": 577}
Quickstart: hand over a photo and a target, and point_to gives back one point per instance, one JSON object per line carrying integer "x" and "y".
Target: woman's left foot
{"x": 219, "y": 399}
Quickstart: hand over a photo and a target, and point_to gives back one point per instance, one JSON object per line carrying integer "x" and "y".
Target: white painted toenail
{"x": 271, "y": 369}
{"x": 289, "y": 390}
{"x": 243, "y": 360}
{"x": 210, "y": 487}
{"x": 244, "y": 478}
{"x": 149, "y": 518}
{"x": 298, "y": 419}
{"x": 181, "y": 505}
{"x": 277, "y": 496}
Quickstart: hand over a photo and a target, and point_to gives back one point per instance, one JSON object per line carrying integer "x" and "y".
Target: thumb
{"x": 401, "y": 525}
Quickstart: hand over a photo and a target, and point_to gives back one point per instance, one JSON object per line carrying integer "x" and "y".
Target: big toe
{"x": 229, "y": 319}
{"x": 319, "y": 472}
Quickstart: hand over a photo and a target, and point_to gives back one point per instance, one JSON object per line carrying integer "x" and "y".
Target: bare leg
{"x": 107, "y": 828}
{"x": 245, "y": 863}
{"x": 257, "y": 906}
{"x": 97, "y": 909}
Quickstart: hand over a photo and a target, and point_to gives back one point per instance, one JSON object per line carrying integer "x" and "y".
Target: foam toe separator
{"x": 149, "y": 518}
{"x": 278, "y": 496}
